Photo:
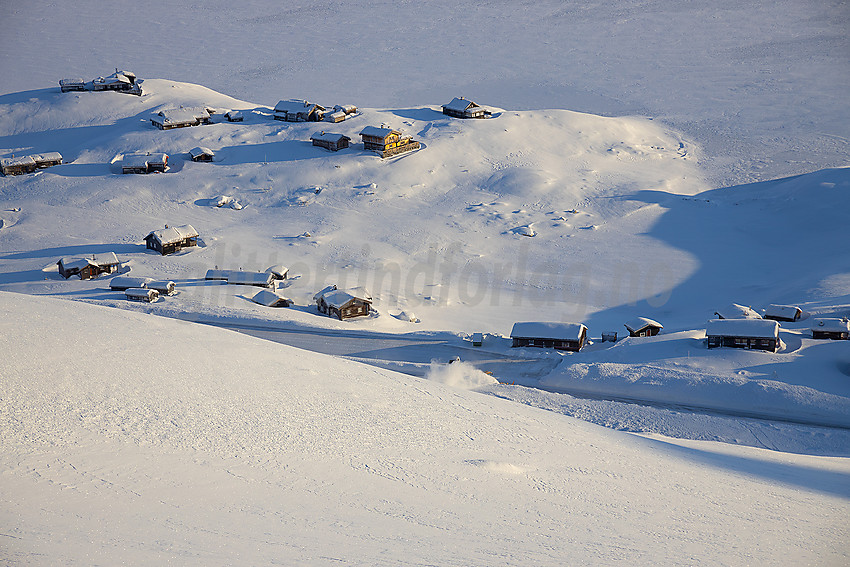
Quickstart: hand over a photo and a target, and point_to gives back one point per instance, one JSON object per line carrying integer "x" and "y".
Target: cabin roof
{"x": 329, "y": 137}
{"x": 378, "y": 132}
{"x": 142, "y": 160}
{"x": 268, "y": 298}
{"x": 461, "y": 104}
{"x": 340, "y": 298}
{"x": 140, "y": 292}
{"x": 200, "y": 151}
{"x": 750, "y": 328}
{"x": 736, "y": 311}
{"x": 47, "y": 156}
{"x": 129, "y": 281}
{"x": 186, "y": 114}
{"x": 100, "y": 260}
{"x": 20, "y": 160}
{"x": 249, "y": 278}
{"x": 544, "y": 330}
{"x": 831, "y": 325}
{"x": 789, "y": 311}
{"x": 640, "y": 323}
{"x": 173, "y": 234}
{"x": 278, "y": 270}
{"x": 296, "y": 105}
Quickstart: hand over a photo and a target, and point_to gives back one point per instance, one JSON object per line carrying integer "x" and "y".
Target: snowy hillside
{"x": 123, "y": 445}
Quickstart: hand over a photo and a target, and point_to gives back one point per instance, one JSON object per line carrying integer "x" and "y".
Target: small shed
{"x": 89, "y": 268}
{"x": 234, "y": 116}
{"x": 144, "y": 163}
{"x": 200, "y": 153}
{"x": 141, "y": 294}
{"x": 387, "y": 141}
{"x": 18, "y": 165}
{"x": 48, "y": 159}
{"x": 643, "y": 327}
{"x": 463, "y": 108}
{"x": 299, "y": 111}
{"x": 122, "y": 283}
{"x": 783, "y": 312}
{"x": 279, "y": 272}
{"x": 560, "y": 336}
{"x": 760, "y": 334}
{"x": 71, "y": 85}
{"x": 270, "y": 299}
{"x": 736, "y": 311}
{"x": 347, "y": 109}
{"x": 171, "y": 239}
{"x": 335, "y": 117}
{"x": 831, "y": 328}
{"x": 330, "y": 141}
{"x": 477, "y": 339}
{"x": 345, "y": 305}
{"x": 163, "y": 287}
{"x": 260, "y": 279}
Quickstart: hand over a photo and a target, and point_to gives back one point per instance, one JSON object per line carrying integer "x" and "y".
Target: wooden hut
{"x": 200, "y": 153}
{"x": 120, "y": 81}
{"x": 278, "y": 272}
{"x": 234, "y": 116}
{"x": 642, "y": 327}
{"x": 759, "y": 334}
{"x": 164, "y": 287}
{"x": 330, "y": 141}
{"x": 386, "y": 141}
{"x": 462, "y": 108}
{"x": 477, "y": 339}
{"x": 48, "y": 159}
{"x": 783, "y": 312}
{"x": 141, "y": 294}
{"x": 217, "y": 274}
{"x": 122, "y": 283}
{"x": 559, "y": 336}
{"x": 71, "y": 85}
{"x": 89, "y": 268}
{"x": 270, "y": 299}
{"x": 171, "y": 239}
{"x": 144, "y": 163}
{"x": 299, "y": 111}
{"x": 345, "y": 305}
{"x": 180, "y": 118}
{"x": 17, "y": 165}
{"x": 831, "y": 328}
{"x": 260, "y": 279}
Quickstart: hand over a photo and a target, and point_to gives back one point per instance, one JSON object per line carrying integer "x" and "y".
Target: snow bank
{"x": 459, "y": 374}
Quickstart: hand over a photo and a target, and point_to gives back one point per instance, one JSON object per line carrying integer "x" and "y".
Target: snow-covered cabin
{"x": 477, "y": 339}
{"x": 260, "y": 279}
{"x": 560, "y": 336}
{"x": 180, "y": 118}
{"x": 270, "y": 299}
{"x": 234, "y": 116}
{"x": 463, "y": 108}
{"x": 299, "y": 111}
{"x": 216, "y": 274}
{"x": 278, "y": 271}
{"x": 164, "y": 287}
{"x": 736, "y": 311}
{"x": 171, "y": 239}
{"x": 141, "y": 294}
{"x": 17, "y": 165}
{"x": 71, "y": 85}
{"x": 330, "y": 141}
{"x": 831, "y": 328}
{"x": 348, "y": 109}
{"x": 783, "y": 312}
{"x": 88, "y": 268}
{"x": 122, "y": 283}
{"x": 121, "y": 81}
{"x": 759, "y": 334}
{"x": 387, "y": 141}
{"x": 144, "y": 163}
{"x": 345, "y": 305}
{"x": 201, "y": 153}
{"x": 642, "y": 327}
{"x": 47, "y": 159}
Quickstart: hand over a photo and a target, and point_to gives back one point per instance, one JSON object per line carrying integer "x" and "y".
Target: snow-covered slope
{"x": 136, "y": 439}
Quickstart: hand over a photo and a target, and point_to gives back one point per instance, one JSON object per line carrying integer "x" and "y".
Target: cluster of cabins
{"x": 295, "y": 110}
{"x": 119, "y": 81}
{"x": 736, "y": 326}
{"x": 28, "y": 164}
{"x": 184, "y": 117}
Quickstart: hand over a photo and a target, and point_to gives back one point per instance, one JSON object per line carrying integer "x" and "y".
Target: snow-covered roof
{"x": 338, "y": 298}
{"x": 233, "y": 114}
{"x": 73, "y": 263}
{"x": 100, "y": 260}
{"x": 181, "y": 115}
{"x": 544, "y": 330}
{"x": 750, "y": 328}
{"x": 360, "y": 292}
{"x": 217, "y": 274}
{"x": 785, "y": 311}
{"x": 126, "y": 282}
{"x": 166, "y": 286}
{"x": 269, "y": 298}
{"x": 639, "y": 323}
{"x": 142, "y": 160}
{"x": 736, "y": 311}
{"x": 460, "y": 104}
{"x": 118, "y": 77}
{"x": 200, "y": 151}
{"x": 324, "y": 291}
{"x": 173, "y": 234}
{"x": 279, "y": 271}
{"x": 378, "y": 132}
{"x": 47, "y": 156}
{"x": 141, "y": 293}
{"x": 328, "y": 137}
{"x": 831, "y": 325}
{"x": 76, "y": 81}
{"x": 249, "y": 278}
{"x": 295, "y": 105}
{"x": 13, "y": 161}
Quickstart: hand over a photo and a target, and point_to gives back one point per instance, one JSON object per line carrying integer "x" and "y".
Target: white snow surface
{"x": 239, "y": 451}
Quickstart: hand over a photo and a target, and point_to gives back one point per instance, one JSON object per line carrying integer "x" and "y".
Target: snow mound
{"x": 459, "y": 374}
